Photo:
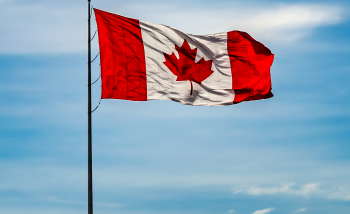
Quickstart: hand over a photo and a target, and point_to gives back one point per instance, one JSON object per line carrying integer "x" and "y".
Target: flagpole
{"x": 90, "y": 202}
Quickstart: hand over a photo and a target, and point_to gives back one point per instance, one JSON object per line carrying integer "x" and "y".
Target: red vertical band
{"x": 123, "y": 67}
{"x": 250, "y": 65}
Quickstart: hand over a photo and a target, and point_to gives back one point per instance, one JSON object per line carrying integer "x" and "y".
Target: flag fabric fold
{"x": 142, "y": 61}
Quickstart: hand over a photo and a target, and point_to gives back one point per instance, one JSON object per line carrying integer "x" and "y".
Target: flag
{"x": 142, "y": 61}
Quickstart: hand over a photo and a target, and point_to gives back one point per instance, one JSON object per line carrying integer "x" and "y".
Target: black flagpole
{"x": 90, "y": 204}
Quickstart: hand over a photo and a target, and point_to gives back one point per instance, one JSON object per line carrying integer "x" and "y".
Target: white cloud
{"x": 299, "y": 210}
{"x": 231, "y": 211}
{"x": 291, "y": 22}
{"x": 309, "y": 189}
{"x": 341, "y": 194}
{"x": 264, "y": 211}
{"x": 305, "y": 190}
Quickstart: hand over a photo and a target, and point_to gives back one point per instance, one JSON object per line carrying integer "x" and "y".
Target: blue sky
{"x": 288, "y": 154}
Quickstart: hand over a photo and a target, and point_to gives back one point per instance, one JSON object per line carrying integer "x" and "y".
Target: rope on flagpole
{"x": 96, "y": 107}
{"x": 95, "y": 57}
{"x": 91, "y": 10}
{"x": 96, "y": 80}
{"x": 93, "y": 36}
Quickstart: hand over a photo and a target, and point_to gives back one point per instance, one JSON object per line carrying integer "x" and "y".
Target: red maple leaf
{"x": 185, "y": 68}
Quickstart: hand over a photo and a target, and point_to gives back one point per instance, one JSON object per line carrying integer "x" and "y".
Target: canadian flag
{"x": 143, "y": 61}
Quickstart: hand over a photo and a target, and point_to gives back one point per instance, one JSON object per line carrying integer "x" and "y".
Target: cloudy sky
{"x": 288, "y": 154}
